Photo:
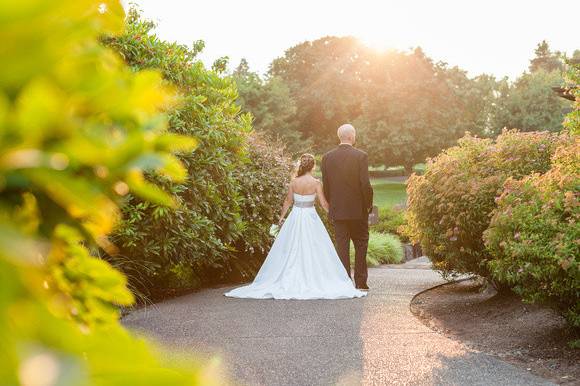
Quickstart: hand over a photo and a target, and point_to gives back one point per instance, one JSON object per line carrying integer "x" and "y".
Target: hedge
{"x": 450, "y": 206}
{"x": 234, "y": 182}
{"x": 534, "y": 235}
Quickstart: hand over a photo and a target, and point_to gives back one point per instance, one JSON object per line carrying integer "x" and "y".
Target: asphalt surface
{"x": 370, "y": 341}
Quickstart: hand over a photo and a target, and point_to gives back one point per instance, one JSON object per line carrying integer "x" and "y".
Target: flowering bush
{"x": 450, "y": 205}
{"x": 534, "y": 234}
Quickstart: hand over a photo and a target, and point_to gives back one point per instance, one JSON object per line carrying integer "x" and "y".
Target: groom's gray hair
{"x": 346, "y": 132}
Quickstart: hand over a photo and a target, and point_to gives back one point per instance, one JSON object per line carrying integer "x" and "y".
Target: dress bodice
{"x": 304, "y": 200}
{"x": 304, "y": 197}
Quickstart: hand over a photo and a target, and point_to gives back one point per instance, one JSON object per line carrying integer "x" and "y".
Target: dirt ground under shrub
{"x": 528, "y": 336}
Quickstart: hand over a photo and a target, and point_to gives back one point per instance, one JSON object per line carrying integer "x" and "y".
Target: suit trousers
{"x": 358, "y": 232}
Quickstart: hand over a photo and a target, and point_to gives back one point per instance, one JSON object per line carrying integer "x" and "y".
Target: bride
{"x": 302, "y": 263}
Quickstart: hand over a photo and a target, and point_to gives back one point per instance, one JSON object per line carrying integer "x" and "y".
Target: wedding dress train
{"x": 302, "y": 263}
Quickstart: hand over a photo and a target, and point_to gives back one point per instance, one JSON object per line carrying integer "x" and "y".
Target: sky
{"x": 497, "y": 37}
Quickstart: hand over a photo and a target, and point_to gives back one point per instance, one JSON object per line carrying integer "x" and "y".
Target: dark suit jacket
{"x": 347, "y": 187}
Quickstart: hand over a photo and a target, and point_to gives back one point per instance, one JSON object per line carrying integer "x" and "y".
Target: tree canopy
{"x": 326, "y": 79}
{"x": 406, "y": 106}
{"x": 530, "y": 103}
{"x": 545, "y": 59}
{"x": 413, "y": 108}
{"x": 272, "y": 107}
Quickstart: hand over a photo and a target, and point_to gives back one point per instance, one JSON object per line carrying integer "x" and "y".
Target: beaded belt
{"x": 304, "y": 204}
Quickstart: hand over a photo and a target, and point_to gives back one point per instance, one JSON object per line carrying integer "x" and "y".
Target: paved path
{"x": 370, "y": 341}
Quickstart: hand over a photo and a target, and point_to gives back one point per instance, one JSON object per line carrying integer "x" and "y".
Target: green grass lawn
{"x": 388, "y": 192}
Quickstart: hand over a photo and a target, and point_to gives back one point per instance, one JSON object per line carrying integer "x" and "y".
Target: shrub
{"x": 383, "y": 248}
{"x": 450, "y": 205}
{"x": 262, "y": 183}
{"x": 234, "y": 183}
{"x": 77, "y": 131}
{"x": 391, "y": 220}
{"x": 534, "y": 234}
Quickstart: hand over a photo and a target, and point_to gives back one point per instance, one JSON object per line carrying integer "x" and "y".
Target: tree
{"x": 575, "y": 59}
{"x": 325, "y": 80}
{"x": 406, "y": 107}
{"x": 413, "y": 108}
{"x": 481, "y": 97}
{"x": 545, "y": 59}
{"x": 272, "y": 107}
{"x": 530, "y": 104}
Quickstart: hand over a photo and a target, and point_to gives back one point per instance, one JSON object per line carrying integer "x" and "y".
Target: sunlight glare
{"x": 387, "y": 26}
{"x": 379, "y": 43}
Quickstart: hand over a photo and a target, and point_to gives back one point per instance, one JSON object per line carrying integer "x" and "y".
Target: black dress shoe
{"x": 363, "y": 287}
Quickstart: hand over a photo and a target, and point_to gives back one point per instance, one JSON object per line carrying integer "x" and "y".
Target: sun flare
{"x": 379, "y": 43}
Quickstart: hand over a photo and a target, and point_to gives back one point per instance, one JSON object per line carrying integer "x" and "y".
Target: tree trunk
{"x": 408, "y": 169}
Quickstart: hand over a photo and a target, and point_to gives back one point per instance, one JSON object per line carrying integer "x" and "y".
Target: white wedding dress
{"x": 302, "y": 263}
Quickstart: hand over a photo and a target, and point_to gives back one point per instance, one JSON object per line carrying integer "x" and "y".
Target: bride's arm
{"x": 321, "y": 197}
{"x": 287, "y": 202}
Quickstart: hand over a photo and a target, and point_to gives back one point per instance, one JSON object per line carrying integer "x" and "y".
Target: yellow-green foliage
{"x": 383, "y": 248}
{"x": 77, "y": 131}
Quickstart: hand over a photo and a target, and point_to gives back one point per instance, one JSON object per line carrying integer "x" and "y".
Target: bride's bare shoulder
{"x": 296, "y": 182}
{"x": 310, "y": 180}
{"x": 315, "y": 184}
{"x": 314, "y": 180}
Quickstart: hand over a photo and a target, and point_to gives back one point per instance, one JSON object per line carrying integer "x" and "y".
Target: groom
{"x": 345, "y": 178}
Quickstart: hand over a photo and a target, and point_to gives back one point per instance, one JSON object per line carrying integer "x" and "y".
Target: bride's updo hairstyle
{"x": 305, "y": 164}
